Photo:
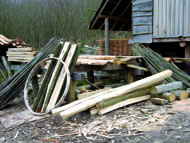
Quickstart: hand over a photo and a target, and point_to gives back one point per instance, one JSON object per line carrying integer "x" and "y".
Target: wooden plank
{"x": 136, "y": 2}
{"x": 20, "y": 58}
{"x": 61, "y": 78}
{"x": 141, "y": 14}
{"x": 123, "y": 104}
{"x": 28, "y": 49}
{"x": 142, "y": 38}
{"x": 142, "y": 21}
{"x": 21, "y": 53}
{"x": 143, "y": 7}
{"x": 142, "y": 30}
{"x": 55, "y": 74}
{"x": 15, "y": 56}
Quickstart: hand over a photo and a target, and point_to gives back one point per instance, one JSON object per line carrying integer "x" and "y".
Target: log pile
{"x": 56, "y": 81}
{"x": 111, "y": 99}
{"x": 23, "y": 54}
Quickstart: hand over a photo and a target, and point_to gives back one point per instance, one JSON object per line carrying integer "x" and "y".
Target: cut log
{"x": 181, "y": 94}
{"x": 88, "y": 103}
{"x": 112, "y": 101}
{"x": 123, "y": 104}
{"x": 167, "y": 95}
{"x": 159, "y": 101}
{"x": 166, "y": 87}
{"x": 93, "y": 111}
{"x": 85, "y": 95}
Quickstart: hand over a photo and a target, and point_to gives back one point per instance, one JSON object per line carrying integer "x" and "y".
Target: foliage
{"x": 36, "y": 21}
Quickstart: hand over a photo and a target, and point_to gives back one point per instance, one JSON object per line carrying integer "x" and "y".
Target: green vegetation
{"x": 36, "y": 21}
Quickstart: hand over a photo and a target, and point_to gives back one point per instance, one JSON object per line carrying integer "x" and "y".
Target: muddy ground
{"x": 138, "y": 123}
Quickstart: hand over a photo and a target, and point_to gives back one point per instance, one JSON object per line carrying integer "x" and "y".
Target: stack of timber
{"x": 102, "y": 102}
{"x": 54, "y": 83}
{"x": 164, "y": 93}
{"x": 156, "y": 63}
{"x": 105, "y": 60}
{"x": 13, "y": 87}
{"x": 23, "y": 54}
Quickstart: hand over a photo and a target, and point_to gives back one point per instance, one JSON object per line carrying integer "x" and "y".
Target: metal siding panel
{"x": 155, "y": 23}
{"x": 160, "y": 18}
{"x": 177, "y": 18}
{"x": 172, "y": 25}
{"x": 168, "y": 17}
{"x": 181, "y": 18}
{"x": 141, "y": 1}
{"x": 140, "y": 14}
{"x": 164, "y": 24}
{"x": 186, "y": 18}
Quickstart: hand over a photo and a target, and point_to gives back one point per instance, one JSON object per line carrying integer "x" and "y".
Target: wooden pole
{"x": 123, "y": 103}
{"x": 107, "y": 50}
{"x": 93, "y": 100}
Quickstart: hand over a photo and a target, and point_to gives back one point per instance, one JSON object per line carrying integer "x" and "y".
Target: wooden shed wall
{"x": 171, "y": 18}
{"x": 142, "y": 17}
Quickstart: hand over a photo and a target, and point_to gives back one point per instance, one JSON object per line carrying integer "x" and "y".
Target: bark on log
{"x": 159, "y": 101}
{"x": 166, "y": 87}
{"x": 167, "y": 95}
{"x": 181, "y": 94}
{"x": 123, "y": 103}
{"x": 82, "y": 106}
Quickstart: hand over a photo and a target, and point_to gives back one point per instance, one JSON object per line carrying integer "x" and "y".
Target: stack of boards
{"x": 23, "y": 55}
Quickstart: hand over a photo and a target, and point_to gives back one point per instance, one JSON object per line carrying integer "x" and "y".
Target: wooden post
{"x": 71, "y": 96}
{"x": 107, "y": 50}
{"x": 35, "y": 85}
{"x": 90, "y": 76}
{"x": 130, "y": 77}
{"x": 187, "y": 55}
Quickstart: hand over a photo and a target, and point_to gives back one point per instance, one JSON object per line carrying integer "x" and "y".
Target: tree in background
{"x": 36, "y": 21}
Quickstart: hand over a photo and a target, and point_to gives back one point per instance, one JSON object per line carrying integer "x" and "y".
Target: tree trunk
{"x": 181, "y": 94}
{"x": 159, "y": 101}
{"x": 167, "y": 95}
{"x": 167, "y": 87}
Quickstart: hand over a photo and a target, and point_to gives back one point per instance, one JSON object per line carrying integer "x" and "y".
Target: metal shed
{"x": 150, "y": 20}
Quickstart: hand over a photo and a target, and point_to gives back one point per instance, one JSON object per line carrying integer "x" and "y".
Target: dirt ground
{"x": 138, "y": 123}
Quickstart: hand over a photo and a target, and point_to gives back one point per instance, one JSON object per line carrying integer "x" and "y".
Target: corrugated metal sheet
{"x": 171, "y": 18}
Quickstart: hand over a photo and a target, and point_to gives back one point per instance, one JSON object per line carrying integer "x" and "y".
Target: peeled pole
{"x": 90, "y": 102}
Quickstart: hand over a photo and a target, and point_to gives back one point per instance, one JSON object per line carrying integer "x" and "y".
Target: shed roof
{"x": 119, "y": 13}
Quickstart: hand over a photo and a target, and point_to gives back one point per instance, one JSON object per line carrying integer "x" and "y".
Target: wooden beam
{"x": 121, "y": 15}
{"x": 113, "y": 18}
{"x": 112, "y": 11}
{"x": 99, "y": 13}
